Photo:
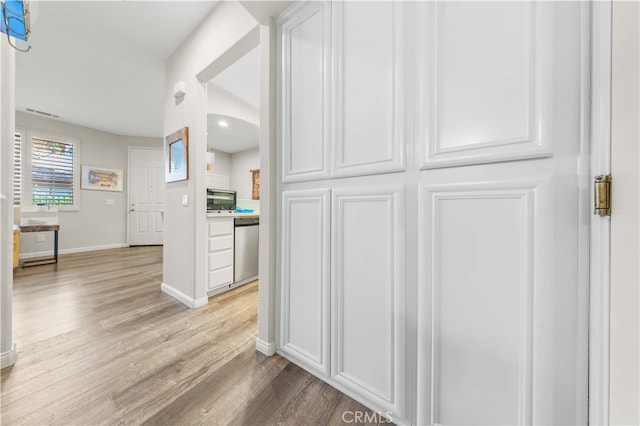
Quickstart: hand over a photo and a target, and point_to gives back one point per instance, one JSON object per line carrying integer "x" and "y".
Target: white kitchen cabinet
{"x": 220, "y": 253}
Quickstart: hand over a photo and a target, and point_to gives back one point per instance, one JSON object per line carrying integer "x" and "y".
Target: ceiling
{"x": 100, "y": 64}
{"x": 238, "y": 135}
{"x": 242, "y": 80}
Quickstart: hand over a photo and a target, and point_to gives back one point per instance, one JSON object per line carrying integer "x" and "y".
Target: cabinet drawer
{"x": 221, "y": 227}
{"x": 220, "y": 277}
{"x": 220, "y": 259}
{"x": 221, "y": 243}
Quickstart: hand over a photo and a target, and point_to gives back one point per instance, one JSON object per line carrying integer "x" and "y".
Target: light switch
{"x": 185, "y": 200}
{"x": 109, "y": 202}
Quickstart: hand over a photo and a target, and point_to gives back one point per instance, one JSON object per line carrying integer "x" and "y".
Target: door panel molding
{"x": 489, "y": 126}
{"x": 366, "y": 139}
{"x": 514, "y": 203}
{"x": 367, "y": 294}
{"x": 305, "y": 278}
{"x": 306, "y": 93}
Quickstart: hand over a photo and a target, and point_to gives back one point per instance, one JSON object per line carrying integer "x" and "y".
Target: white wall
{"x": 240, "y": 177}
{"x": 96, "y": 225}
{"x": 7, "y": 125}
{"x": 224, "y": 103}
{"x": 184, "y": 269}
{"x": 222, "y": 162}
{"x": 625, "y": 229}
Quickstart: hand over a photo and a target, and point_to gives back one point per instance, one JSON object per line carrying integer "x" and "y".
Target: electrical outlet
{"x": 39, "y": 238}
{"x": 109, "y": 202}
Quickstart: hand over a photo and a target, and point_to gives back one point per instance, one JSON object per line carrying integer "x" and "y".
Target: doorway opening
{"x": 259, "y": 44}
{"x": 233, "y": 168}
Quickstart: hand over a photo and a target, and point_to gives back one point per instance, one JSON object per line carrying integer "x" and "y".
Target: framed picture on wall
{"x": 101, "y": 178}
{"x": 255, "y": 184}
{"x": 176, "y": 147}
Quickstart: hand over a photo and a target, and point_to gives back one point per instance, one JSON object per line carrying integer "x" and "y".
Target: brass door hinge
{"x": 602, "y": 195}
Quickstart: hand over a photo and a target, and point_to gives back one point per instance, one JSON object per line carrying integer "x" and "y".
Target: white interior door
{"x": 146, "y": 196}
{"x": 503, "y": 280}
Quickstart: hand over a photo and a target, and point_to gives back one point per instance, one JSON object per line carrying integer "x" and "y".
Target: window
{"x": 17, "y": 168}
{"x": 49, "y": 171}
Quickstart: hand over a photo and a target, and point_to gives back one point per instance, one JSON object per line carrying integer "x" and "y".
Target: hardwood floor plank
{"x": 92, "y": 411}
{"x": 273, "y": 397}
{"x": 347, "y": 411}
{"x": 99, "y": 343}
{"x": 195, "y": 407}
{"x": 313, "y": 406}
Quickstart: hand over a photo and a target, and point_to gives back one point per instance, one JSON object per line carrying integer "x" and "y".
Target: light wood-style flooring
{"x": 98, "y": 343}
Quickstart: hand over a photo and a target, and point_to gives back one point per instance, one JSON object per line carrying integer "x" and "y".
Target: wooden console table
{"x": 43, "y": 228}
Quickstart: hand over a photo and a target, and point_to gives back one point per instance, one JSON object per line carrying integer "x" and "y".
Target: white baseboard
{"x": 8, "y": 358}
{"x": 183, "y": 298}
{"x": 25, "y": 256}
{"x": 228, "y": 287}
{"x": 266, "y": 348}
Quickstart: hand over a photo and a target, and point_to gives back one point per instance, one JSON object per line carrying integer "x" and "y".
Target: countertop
{"x": 39, "y": 228}
{"x": 227, "y": 213}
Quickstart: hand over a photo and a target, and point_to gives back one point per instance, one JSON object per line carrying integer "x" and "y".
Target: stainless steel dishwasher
{"x": 246, "y": 250}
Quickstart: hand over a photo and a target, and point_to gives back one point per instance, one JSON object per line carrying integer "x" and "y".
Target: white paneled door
{"x": 503, "y": 275}
{"x": 146, "y": 196}
{"x": 448, "y": 140}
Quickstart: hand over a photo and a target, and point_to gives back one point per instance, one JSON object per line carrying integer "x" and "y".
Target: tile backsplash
{"x": 248, "y": 204}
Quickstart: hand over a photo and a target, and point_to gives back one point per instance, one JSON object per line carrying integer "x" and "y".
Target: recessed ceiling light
{"x": 223, "y": 123}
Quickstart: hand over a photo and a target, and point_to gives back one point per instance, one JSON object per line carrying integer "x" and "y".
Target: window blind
{"x": 52, "y": 172}
{"x": 17, "y": 168}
